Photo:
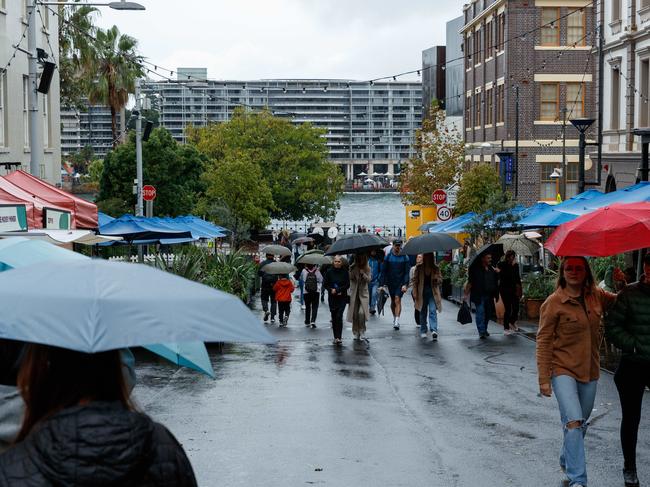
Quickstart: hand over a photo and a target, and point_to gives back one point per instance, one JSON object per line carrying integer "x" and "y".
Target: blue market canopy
{"x": 103, "y": 218}
{"x": 455, "y": 225}
{"x": 167, "y": 231}
{"x": 555, "y": 215}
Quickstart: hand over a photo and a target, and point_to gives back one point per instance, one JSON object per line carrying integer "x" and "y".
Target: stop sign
{"x": 439, "y": 197}
{"x": 148, "y": 193}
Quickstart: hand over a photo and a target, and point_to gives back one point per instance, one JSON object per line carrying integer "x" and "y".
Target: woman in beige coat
{"x": 426, "y": 292}
{"x": 358, "y": 310}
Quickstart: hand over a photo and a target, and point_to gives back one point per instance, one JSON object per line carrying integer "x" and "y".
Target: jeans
{"x": 301, "y": 284}
{"x": 482, "y": 314}
{"x": 576, "y": 401}
{"x": 266, "y": 295}
{"x": 428, "y": 307}
{"x": 373, "y": 287}
{"x": 631, "y": 380}
{"x": 311, "y": 306}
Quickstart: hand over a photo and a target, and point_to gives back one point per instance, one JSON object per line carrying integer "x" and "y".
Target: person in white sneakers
{"x": 395, "y": 275}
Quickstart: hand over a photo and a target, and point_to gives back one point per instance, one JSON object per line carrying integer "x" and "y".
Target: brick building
{"x": 542, "y": 51}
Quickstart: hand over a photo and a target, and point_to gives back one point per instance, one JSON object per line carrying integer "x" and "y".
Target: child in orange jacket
{"x": 283, "y": 288}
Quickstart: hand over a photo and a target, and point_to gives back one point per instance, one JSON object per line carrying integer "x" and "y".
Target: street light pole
{"x": 581, "y": 124}
{"x": 564, "y": 164}
{"x": 36, "y": 152}
{"x": 138, "y": 149}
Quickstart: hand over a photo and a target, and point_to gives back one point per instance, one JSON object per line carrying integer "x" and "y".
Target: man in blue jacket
{"x": 395, "y": 275}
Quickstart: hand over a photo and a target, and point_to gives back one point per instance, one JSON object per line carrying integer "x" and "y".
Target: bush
{"x": 446, "y": 269}
{"x": 539, "y": 285}
{"x": 458, "y": 275}
{"x": 600, "y": 265}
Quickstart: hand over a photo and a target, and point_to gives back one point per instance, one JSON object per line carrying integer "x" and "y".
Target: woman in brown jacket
{"x": 426, "y": 293}
{"x": 358, "y": 310}
{"x": 568, "y": 359}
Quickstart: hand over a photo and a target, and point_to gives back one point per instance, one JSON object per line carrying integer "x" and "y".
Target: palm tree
{"x": 117, "y": 66}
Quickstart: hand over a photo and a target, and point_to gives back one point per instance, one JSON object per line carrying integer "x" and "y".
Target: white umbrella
{"x": 369, "y": 180}
{"x": 389, "y": 174}
{"x": 362, "y": 174}
{"x": 375, "y": 174}
{"x": 58, "y": 237}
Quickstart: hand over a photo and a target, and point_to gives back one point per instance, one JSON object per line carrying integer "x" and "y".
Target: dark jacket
{"x": 395, "y": 270}
{"x": 627, "y": 324}
{"x": 338, "y": 279}
{"x": 268, "y": 280}
{"x": 483, "y": 283}
{"x": 509, "y": 278}
{"x": 98, "y": 444}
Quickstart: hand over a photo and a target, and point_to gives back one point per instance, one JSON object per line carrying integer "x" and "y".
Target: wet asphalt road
{"x": 395, "y": 411}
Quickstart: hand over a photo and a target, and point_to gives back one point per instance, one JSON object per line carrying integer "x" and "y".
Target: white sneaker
{"x": 302, "y": 306}
{"x": 508, "y": 332}
{"x": 434, "y": 336}
{"x": 423, "y": 335}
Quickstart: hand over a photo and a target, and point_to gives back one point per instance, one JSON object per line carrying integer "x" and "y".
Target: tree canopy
{"x": 174, "y": 169}
{"x": 439, "y": 155}
{"x": 289, "y": 161}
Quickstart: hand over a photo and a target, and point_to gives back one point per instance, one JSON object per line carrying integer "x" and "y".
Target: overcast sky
{"x": 251, "y": 39}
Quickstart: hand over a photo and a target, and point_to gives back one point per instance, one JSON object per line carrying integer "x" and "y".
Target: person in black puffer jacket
{"x": 80, "y": 428}
{"x": 627, "y": 326}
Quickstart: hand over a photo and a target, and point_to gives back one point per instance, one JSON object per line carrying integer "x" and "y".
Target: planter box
{"x": 532, "y": 308}
{"x": 456, "y": 294}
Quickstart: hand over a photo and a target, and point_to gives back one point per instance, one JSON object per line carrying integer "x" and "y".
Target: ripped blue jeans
{"x": 576, "y": 401}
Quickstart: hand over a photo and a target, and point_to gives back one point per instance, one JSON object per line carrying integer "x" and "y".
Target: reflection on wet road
{"x": 393, "y": 411}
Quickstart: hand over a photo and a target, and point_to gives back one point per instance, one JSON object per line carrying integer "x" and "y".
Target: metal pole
{"x": 564, "y": 165}
{"x": 644, "y": 159}
{"x": 601, "y": 84}
{"x": 581, "y": 164}
{"x": 138, "y": 159}
{"x": 516, "y": 165}
{"x": 35, "y": 123}
{"x": 138, "y": 148}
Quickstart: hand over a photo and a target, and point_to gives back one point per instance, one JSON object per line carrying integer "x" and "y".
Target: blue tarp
{"x": 455, "y": 225}
{"x": 555, "y": 215}
{"x": 167, "y": 231}
{"x": 103, "y": 218}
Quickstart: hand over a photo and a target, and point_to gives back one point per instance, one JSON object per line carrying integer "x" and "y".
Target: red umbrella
{"x": 607, "y": 231}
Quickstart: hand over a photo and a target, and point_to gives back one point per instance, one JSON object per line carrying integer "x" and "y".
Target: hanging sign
{"x": 13, "y": 218}
{"x": 55, "y": 219}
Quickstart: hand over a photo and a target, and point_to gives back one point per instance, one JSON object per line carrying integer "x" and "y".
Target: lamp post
{"x": 581, "y": 124}
{"x": 35, "y": 129}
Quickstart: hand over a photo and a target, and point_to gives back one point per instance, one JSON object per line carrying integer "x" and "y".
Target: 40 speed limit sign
{"x": 444, "y": 213}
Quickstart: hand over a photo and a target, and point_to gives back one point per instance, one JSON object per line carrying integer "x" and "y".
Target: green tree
{"x": 76, "y": 50}
{"x": 480, "y": 192}
{"x": 237, "y": 183}
{"x": 292, "y": 161}
{"x": 82, "y": 159}
{"x": 439, "y": 155}
{"x": 174, "y": 169}
{"x": 117, "y": 64}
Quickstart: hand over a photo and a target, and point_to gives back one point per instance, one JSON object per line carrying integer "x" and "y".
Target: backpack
{"x": 311, "y": 282}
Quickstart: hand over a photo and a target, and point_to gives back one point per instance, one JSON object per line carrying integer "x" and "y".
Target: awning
{"x": 58, "y": 237}
{"x": 37, "y": 208}
{"x": 85, "y": 212}
{"x": 132, "y": 228}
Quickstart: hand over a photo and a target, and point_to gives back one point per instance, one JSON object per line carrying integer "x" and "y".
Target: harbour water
{"x": 368, "y": 209}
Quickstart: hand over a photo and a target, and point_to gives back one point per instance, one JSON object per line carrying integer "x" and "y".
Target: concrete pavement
{"x": 396, "y": 411}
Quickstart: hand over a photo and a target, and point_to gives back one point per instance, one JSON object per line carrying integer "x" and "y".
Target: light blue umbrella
{"x": 20, "y": 252}
{"x": 190, "y": 354}
{"x": 94, "y": 305}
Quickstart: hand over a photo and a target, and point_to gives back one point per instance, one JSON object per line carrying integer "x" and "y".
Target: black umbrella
{"x": 430, "y": 242}
{"x": 495, "y": 249}
{"x": 302, "y": 240}
{"x": 357, "y": 243}
{"x": 382, "y": 297}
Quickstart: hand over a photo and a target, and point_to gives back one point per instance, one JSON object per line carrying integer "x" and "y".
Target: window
{"x": 26, "y": 111}
{"x": 575, "y": 99}
{"x": 477, "y": 110}
{"x": 645, "y": 91}
{"x": 501, "y": 31}
{"x": 489, "y": 107}
{"x": 489, "y": 40}
{"x": 468, "y": 113}
{"x": 549, "y": 101}
{"x": 550, "y": 27}
{"x": 616, "y": 10}
{"x": 468, "y": 51}
{"x": 550, "y": 187}
{"x": 500, "y": 103}
{"x": 477, "y": 46}
{"x": 615, "y": 99}
{"x": 576, "y": 28}
{"x": 3, "y": 110}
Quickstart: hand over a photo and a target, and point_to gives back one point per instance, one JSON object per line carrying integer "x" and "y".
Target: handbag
{"x": 464, "y": 314}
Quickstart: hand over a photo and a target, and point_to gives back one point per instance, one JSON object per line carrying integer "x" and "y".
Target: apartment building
{"x": 88, "y": 127}
{"x": 15, "y": 149}
{"x": 626, "y": 87}
{"x": 529, "y": 66}
{"x": 369, "y": 126}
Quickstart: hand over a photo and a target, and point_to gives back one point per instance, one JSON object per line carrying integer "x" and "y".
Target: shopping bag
{"x": 464, "y": 314}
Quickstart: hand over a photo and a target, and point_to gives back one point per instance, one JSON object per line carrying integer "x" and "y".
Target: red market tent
{"x": 35, "y": 206}
{"x": 84, "y": 212}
